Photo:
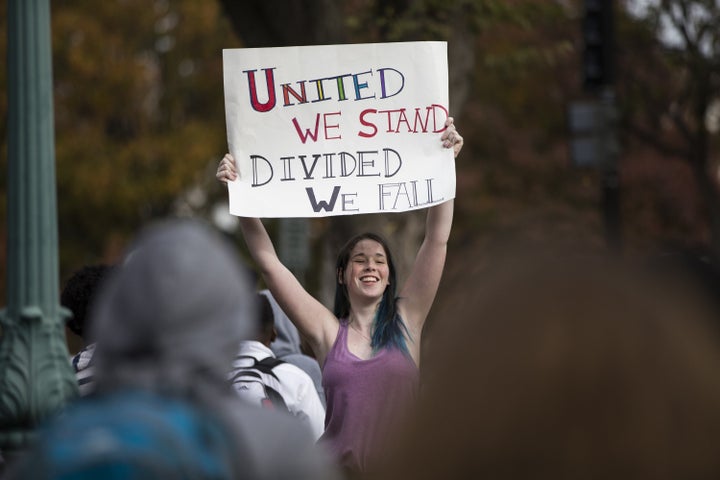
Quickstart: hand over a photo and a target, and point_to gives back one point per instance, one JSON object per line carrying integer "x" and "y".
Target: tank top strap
{"x": 339, "y": 347}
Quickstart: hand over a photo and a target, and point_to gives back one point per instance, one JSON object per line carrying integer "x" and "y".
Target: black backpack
{"x": 258, "y": 384}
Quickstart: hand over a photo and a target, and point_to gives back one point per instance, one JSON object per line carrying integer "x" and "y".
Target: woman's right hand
{"x": 226, "y": 170}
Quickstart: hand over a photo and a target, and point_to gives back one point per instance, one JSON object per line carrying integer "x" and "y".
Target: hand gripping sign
{"x": 337, "y": 129}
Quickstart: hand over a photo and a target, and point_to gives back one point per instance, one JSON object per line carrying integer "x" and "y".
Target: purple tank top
{"x": 365, "y": 398}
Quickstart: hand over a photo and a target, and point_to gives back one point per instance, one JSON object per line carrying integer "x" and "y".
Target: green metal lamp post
{"x": 35, "y": 373}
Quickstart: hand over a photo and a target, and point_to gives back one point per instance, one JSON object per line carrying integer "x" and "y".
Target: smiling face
{"x": 367, "y": 272}
{"x": 349, "y": 268}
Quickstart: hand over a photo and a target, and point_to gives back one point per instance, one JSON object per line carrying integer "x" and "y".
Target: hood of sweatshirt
{"x": 172, "y": 316}
{"x": 288, "y": 338}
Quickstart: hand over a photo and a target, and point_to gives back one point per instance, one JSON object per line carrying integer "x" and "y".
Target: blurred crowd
{"x": 550, "y": 364}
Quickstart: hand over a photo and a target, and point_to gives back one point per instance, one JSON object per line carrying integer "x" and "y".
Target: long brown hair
{"x": 389, "y": 330}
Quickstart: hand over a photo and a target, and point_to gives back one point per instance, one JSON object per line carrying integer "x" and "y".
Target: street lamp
{"x": 36, "y": 378}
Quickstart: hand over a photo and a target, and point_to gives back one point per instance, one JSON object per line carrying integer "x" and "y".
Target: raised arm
{"x": 314, "y": 321}
{"x": 419, "y": 291}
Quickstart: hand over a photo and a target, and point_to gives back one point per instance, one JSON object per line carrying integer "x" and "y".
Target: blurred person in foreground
{"x": 565, "y": 367}
{"x": 167, "y": 325}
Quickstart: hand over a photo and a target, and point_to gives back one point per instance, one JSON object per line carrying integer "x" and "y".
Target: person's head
{"x": 172, "y": 316}
{"x": 365, "y": 269}
{"x": 267, "y": 332}
{"x": 558, "y": 369}
{"x": 79, "y": 292}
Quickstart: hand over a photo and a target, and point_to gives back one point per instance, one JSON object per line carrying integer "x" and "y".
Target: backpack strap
{"x": 268, "y": 363}
{"x": 265, "y": 366}
{"x": 275, "y": 400}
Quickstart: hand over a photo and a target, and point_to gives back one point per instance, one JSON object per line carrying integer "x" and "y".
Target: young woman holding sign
{"x": 369, "y": 346}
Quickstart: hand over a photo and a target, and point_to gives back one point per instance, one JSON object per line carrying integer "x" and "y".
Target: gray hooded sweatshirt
{"x": 170, "y": 320}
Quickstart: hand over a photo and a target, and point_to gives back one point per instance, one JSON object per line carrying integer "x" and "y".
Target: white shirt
{"x": 296, "y": 386}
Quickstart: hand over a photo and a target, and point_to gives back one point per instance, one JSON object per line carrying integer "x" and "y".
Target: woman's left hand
{"x": 451, "y": 138}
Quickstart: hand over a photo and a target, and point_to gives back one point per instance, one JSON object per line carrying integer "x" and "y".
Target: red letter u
{"x": 270, "y": 81}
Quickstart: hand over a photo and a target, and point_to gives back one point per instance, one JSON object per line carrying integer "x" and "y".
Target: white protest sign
{"x": 337, "y": 129}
